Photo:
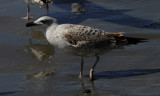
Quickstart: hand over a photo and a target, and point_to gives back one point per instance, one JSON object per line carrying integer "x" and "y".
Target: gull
{"x": 36, "y": 2}
{"x": 82, "y": 40}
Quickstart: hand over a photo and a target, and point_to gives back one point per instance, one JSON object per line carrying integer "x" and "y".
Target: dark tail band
{"x": 135, "y": 41}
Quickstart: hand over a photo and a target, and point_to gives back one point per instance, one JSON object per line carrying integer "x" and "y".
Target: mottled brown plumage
{"x": 97, "y": 41}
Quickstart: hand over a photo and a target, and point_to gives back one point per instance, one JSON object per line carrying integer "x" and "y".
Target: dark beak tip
{"x": 27, "y": 25}
{"x": 30, "y": 24}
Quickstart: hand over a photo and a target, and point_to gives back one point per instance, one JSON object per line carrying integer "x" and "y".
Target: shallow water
{"x": 26, "y": 59}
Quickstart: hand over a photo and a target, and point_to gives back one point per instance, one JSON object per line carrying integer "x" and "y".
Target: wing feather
{"x": 78, "y": 35}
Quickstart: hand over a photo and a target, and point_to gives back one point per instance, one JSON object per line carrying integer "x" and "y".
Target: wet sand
{"x": 130, "y": 71}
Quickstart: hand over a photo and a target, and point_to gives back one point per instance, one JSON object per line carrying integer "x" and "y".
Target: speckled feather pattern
{"x": 78, "y": 39}
{"x": 83, "y": 36}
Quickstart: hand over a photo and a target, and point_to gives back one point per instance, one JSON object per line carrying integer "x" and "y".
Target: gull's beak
{"x": 31, "y": 24}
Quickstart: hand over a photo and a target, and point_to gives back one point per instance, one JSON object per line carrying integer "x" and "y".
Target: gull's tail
{"x": 122, "y": 40}
{"x": 135, "y": 41}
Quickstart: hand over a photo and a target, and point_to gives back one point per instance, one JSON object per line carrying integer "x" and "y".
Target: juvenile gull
{"x": 82, "y": 40}
{"x": 36, "y": 2}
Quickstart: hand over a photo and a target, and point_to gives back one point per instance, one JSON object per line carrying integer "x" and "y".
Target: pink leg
{"x": 82, "y": 63}
{"x": 28, "y": 10}
{"x": 92, "y": 69}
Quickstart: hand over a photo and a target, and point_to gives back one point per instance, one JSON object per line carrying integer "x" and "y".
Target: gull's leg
{"x": 28, "y": 10}
{"x": 47, "y": 7}
{"x": 92, "y": 69}
{"x": 81, "y": 70}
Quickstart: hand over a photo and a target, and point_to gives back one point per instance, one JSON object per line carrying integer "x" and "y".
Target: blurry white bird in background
{"x": 36, "y": 2}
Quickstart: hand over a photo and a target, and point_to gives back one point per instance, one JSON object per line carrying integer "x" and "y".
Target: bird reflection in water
{"x": 43, "y": 51}
{"x": 40, "y": 51}
{"x": 38, "y": 34}
{"x": 88, "y": 89}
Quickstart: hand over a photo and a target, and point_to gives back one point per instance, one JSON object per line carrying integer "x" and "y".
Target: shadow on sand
{"x": 124, "y": 73}
{"x": 8, "y": 93}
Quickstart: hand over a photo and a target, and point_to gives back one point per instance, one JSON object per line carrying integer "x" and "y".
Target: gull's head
{"x": 43, "y": 21}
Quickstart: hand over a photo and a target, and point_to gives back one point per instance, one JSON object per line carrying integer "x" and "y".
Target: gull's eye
{"x": 44, "y": 21}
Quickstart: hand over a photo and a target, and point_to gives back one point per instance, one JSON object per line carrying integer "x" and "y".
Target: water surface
{"x": 26, "y": 58}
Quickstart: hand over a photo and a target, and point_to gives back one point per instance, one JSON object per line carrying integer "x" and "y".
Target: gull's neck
{"x": 52, "y": 26}
{"x": 50, "y": 32}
